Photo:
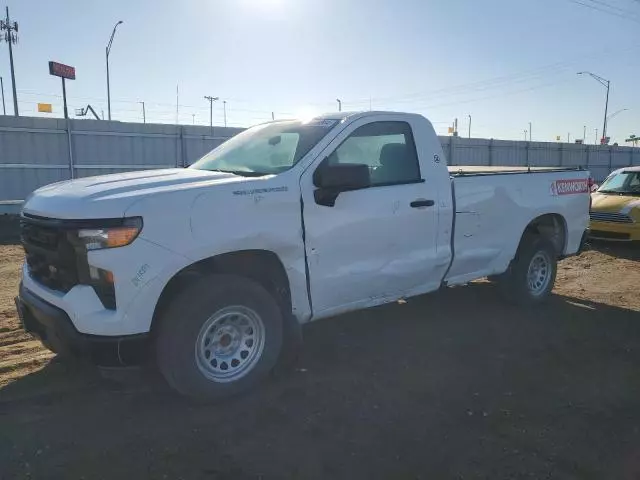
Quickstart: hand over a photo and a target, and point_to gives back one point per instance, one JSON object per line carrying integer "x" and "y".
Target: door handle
{"x": 421, "y": 202}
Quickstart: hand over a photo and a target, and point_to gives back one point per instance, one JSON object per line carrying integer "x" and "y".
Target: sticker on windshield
{"x": 569, "y": 187}
{"x": 321, "y": 122}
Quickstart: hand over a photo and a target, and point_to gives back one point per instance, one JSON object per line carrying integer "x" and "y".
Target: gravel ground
{"x": 454, "y": 385}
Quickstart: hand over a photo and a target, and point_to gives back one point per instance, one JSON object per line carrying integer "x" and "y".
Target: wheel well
{"x": 261, "y": 266}
{"x": 552, "y": 226}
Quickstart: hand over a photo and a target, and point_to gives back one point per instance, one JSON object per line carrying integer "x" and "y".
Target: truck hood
{"x": 109, "y": 196}
{"x": 602, "y": 202}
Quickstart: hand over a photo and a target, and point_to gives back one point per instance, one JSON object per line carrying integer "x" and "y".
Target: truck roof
{"x": 359, "y": 113}
{"x": 469, "y": 170}
{"x": 628, "y": 169}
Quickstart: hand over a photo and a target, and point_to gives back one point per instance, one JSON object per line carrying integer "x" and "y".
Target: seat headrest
{"x": 393, "y": 152}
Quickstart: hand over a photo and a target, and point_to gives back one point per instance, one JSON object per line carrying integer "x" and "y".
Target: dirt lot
{"x": 456, "y": 385}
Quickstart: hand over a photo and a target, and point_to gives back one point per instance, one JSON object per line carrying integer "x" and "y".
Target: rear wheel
{"x": 219, "y": 337}
{"x": 532, "y": 274}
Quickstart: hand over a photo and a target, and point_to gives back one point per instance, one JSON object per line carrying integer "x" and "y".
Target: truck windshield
{"x": 266, "y": 149}
{"x": 623, "y": 183}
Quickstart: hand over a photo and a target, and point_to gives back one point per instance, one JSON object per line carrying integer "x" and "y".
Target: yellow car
{"x": 615, "y": 207}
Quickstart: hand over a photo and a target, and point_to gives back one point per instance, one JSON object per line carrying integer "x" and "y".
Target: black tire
{"x": 184, "y": 318}
{"x": 515, "y": 282}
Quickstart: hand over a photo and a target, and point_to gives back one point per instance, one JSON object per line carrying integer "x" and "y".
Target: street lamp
{"x": 605, "y": 83}
{"x": 339, "y": 104}
{"x": 108, "y": 49}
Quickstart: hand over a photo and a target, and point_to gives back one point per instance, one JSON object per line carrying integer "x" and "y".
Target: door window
{"x": 387, "y": 148}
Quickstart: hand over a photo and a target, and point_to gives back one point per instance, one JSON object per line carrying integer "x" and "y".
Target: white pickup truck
{"x": 214, "y": 267}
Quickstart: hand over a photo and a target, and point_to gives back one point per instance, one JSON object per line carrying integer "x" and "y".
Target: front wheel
{"x": 219, "y": 337}
{"x": 532, "y": 274}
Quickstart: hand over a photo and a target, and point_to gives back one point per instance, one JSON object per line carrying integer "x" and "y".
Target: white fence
{"x": 38, "y": 151}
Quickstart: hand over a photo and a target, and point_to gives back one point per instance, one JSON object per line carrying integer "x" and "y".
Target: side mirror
{"x": 331, "y": 180}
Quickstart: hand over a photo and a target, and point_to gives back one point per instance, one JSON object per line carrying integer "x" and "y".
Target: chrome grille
{"x": 610, "y": 217}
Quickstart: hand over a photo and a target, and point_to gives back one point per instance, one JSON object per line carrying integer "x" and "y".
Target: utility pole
{"x": 469, "y": 125}
{"x": 568, "y": 137}
{"x": 584, "y": 135}
{"x": 596, "y": 142}
{"x": 10, "y": 37}
{"x": 529, "y": 131}
{"x": 144, "y": 114}
{"x": 224, "y": 105}
{"x": 339, "y": 104}
{"x": 4, "y": 108}
{"x": 108, "y": 50}
{"x": 211, "y": 100}
{"x": 193, "y": 115}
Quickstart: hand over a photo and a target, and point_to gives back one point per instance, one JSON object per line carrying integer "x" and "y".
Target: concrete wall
{"x": 38, "y": 151}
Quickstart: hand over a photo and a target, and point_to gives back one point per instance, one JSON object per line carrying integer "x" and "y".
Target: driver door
{"x": 374, "y": 244}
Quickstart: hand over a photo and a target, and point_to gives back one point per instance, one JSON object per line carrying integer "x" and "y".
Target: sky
{"x": 508, "y": 64}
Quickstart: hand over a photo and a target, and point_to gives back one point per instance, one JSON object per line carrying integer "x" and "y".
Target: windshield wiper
{"x": 240, "y": 173}
{"x": 244, "y": 173}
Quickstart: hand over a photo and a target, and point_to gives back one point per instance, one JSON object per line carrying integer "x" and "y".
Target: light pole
{"x": 107, "y": 50}
{"x": 144, "y": 113}
{"x": 605, "y": 83}
{"x": 529, "y": 131}
{"x": 224, "y": 106}
{"x": 584, "y": 135}
{"x": 525, "y": 135}
{"x": 339, "y": 104}
{"x": 469, "y": 125}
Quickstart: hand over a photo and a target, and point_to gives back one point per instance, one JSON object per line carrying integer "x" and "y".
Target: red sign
{"x": 570, "y": 187}
{"x": 62, "y": 70}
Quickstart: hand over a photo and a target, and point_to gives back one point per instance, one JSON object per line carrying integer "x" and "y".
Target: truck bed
{"x": 469, "y": 170}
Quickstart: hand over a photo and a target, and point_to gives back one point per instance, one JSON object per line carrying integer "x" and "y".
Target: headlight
{"x": 111, "y": 237}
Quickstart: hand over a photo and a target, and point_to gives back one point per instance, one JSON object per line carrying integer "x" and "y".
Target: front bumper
{"x": 620, "y": 232}
{"x": 56, "y": 331}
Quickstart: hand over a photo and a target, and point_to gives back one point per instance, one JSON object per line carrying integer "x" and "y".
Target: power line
{"x": 497, "y": 81}
{"x": 612, "y": 7}
{"x": 608, "y": 12}
{"x": 499, "y": 95}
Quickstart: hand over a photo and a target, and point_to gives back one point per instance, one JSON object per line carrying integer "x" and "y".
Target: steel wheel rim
{"x": 230, "y": 344}
{"x": 539, "y": 273}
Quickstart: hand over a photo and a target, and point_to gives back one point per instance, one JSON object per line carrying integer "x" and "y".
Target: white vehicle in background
{"x": 216, "y": 266}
